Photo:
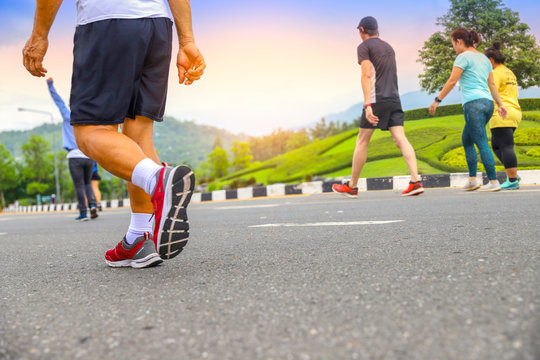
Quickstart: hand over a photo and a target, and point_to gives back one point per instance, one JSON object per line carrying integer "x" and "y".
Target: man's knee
{"x": 86, "y": 134}
{"x": 139, "y": 129}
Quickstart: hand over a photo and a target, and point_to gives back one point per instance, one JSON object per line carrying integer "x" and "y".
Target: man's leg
{"x": 77, "y": 175}
{"x": 401, "y": 141}
{"x": 360, "y": 155}
{"x": 140, "y": 130}
{"x": 97, "y": 192}
{"x": 115, "y": 152}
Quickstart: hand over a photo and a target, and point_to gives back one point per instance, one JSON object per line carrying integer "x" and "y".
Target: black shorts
{"x": 95, "y": 176}
{"x": 389, "y": 113}
{"x": 120, "y": 69}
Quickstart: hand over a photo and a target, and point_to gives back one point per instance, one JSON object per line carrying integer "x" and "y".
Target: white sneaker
{"x": 471, "y": 185}
{"x": 491, "y": 187}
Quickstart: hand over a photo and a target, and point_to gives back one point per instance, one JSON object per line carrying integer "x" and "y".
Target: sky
{"x": 270, "y": 64}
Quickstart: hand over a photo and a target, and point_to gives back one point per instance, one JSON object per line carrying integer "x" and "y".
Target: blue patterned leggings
{"x": 477, "y": 115}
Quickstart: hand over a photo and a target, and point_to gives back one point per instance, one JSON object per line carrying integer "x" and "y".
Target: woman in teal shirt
{"x": 474, "y": 72}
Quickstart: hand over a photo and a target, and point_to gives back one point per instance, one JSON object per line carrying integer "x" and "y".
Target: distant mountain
{"x": 176, "y": 141}
{"x": 418, "y": 99}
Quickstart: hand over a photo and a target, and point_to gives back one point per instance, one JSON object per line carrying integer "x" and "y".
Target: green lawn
{"x": 431, "y": 138}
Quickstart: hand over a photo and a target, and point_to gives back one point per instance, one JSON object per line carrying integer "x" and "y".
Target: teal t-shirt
{"x": 474, "y": 79}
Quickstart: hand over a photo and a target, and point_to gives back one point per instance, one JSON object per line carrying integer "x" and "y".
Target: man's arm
{"x": 66, "y": 115}
{"x": 190, "y": 61}
{"x": 366, "y": 89}
{"x": 36, "y": 47}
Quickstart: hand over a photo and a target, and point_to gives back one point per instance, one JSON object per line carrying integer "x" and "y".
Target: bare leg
{"x": 360, "y": 155}
{"x": 140, "y": 130}
{"x": 95, "y": 188}
{"x": 511, "y": 172}
{"x": 115, "y": 152}
{"x": 401, "y": 141}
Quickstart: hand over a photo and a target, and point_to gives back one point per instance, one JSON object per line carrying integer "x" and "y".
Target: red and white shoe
{"x": 344, "y": 189}
{"x": 415, "y": 188}
{"x": 142, "y": 253}
{"x": 170, "y": 199}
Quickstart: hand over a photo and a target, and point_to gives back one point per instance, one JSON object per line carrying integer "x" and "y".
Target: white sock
{"x": 140, "y": 223}
{"x": 144, "y": 175}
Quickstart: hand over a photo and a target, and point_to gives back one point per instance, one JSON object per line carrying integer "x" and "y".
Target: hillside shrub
{"x": 529, "y": 136}
{"x": 529, "y": 104}
{"x": 534, "y": 152}
{"x": 423, "y": 113}
{"x": 530, "y": 115}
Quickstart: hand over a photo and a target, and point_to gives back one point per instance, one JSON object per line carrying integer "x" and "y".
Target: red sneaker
{"x": 415, "y": 188}
{"x": 170, "y": 199}
{"x": 345, "y": 190}
{"x": 142, "y": 253}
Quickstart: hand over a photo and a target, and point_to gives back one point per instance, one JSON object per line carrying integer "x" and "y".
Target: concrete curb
{"x": 455, "y": 180}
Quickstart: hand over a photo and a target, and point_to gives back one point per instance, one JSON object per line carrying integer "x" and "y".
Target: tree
{"x": 219, "y": 162}
{"x": 39, "y": 168}
{"x": 298, "y": 139}
{"x": 8, "y": 174}
{"x": 241, "y": 154}
{"x": 217, "y": 143}
{"x": 492, "y": 22}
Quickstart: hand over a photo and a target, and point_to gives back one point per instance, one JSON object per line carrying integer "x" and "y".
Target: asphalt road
{"x": 446, "y": 275}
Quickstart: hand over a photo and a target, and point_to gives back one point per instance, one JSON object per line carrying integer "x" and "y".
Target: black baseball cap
{"x": 368, "y": 23}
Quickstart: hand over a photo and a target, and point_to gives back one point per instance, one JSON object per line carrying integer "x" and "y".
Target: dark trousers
{"x": 81, "y": 173}
{"x": 502, "y": 142}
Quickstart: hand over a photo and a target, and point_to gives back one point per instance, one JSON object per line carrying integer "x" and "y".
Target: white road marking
{"x": 247, "y": 206}
{"x": 3, "y": 234}
{"x": 342, "y": 223}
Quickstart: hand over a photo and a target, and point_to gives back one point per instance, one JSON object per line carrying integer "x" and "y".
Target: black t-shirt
{"x": 384, "y": 85}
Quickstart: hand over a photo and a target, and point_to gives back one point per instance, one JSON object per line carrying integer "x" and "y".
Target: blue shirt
{"x": 474, "y": 79}
{"x": 68, "y": 138}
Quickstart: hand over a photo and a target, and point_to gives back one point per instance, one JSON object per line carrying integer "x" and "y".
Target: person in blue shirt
{"x": 80, "y": 165}
{"x": 475, "y": 74}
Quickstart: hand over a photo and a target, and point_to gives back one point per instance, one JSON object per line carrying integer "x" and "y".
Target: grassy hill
{"x": 176, "y": 141}
{"x": 437, "y": 142}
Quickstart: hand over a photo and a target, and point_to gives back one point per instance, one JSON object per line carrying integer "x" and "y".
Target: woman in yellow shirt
{"x": 502, "y": 130}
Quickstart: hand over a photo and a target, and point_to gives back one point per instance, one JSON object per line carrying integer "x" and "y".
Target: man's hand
{"x": 33, "y": 54}
{"x": 433, "y": 108}
{"x": 370, "y": 117}
{"x": 190, "y": 63}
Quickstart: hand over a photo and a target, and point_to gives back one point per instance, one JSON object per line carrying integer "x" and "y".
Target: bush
{"x": 529, "y": 104}
{"x": 529, "y": 136}
{"x": 240, "y": 183}
{"x": 530, "y": 115}
{"x": 423, "y": 113}
{"x": 534, "y": 152}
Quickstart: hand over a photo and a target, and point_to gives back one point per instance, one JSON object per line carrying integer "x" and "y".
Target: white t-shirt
{"x": 89, "y": 11}
{"x": 76, "y": 153}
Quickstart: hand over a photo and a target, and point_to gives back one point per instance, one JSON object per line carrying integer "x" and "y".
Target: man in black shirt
{"x": 382, "y": 107}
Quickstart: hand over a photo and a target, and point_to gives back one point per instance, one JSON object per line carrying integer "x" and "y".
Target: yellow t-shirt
{"x": 506, "y": 83}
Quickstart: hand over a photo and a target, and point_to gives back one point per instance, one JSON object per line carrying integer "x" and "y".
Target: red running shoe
{"x": 142, "y": 253}
{"x": 415, "y": 188}
{"x": 344, "y": 189}
{"x": 170, "y": 199}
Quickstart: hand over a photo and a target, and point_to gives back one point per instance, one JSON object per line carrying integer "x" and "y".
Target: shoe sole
{"x": 148, "y": 261}
{"x": 414, "y": 192}
{"x": 346, "y": 194}
{"x": 173, "y": 231}
{"x": 490, "y": 190}
{"x": 472, "y": 188}
{"x": 93, "y": 213}
{"x": 81, "y": 220}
